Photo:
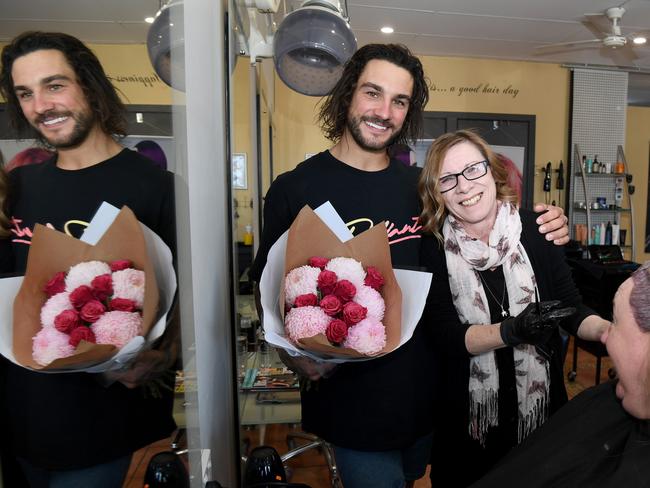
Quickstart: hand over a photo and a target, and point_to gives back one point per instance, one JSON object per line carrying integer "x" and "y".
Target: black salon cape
{"x": 590, "y": 442}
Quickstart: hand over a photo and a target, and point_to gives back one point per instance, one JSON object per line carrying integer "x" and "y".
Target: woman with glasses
{"x": 508, "y": 285}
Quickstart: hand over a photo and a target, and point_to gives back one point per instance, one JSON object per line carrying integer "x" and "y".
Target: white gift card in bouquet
{"x": 31, "y": 329}
{"x": 404, "y": 292}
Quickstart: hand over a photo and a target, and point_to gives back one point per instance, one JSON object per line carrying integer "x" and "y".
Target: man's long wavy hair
{"x": 434, "y": 211}
{"x": 333, "y": 113}
{"x": 102, "y": 97}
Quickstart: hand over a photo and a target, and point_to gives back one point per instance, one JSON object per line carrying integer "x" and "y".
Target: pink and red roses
{"x": 95, "y": 302}
{"x": 338, "y": 298}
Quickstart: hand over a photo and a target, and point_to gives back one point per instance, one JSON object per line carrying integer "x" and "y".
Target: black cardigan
{"x": 552, "y": 273}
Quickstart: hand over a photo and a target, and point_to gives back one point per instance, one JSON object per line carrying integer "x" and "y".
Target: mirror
{"x": 150, "y": 103}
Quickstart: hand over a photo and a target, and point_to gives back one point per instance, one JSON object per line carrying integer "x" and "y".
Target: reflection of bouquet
{"x": 93, "y": 302}
{"x": 116, "y": 235}
{"x": 338, "y": 298}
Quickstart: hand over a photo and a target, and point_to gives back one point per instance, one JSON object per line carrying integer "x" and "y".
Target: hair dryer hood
{"x": 310, "y": 48}
{"x": 166, "y": 45}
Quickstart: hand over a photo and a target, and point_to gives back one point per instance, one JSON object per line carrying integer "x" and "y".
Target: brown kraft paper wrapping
{"x": 52, "y": 251}
{"x": 309, "y": 236}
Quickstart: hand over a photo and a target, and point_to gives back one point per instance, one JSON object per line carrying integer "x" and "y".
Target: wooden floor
{"x": 310, "y": 467}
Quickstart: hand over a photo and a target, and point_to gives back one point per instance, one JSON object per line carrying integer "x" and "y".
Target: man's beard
{"x": 354, "y": 127}
{"x": 83, "y": 123}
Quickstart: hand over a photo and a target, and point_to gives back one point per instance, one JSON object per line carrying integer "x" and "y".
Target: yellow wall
{"x": 132, "y": 74}
{"x": 637, "y": 147}
{"x": 240, "y": 114}
{"x": 297, "y": 131}
{"x": 532, "y": 88}
{"x": 241, "y": 120}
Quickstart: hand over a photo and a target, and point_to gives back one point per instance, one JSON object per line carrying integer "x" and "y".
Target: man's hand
{"x": 553, "y": 223}
{"x": 535, "y": 324}
{"x": 304, "y": 366}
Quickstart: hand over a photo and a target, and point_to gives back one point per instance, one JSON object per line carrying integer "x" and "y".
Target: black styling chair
{"x": 166, "y": 470}
{"x": 264, "y": 468}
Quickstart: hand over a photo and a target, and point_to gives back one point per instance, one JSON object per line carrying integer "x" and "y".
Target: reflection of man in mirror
{"x": 377, "y": 414}
{"x": 71, "y": 429}
{"x": 601, "y": 437}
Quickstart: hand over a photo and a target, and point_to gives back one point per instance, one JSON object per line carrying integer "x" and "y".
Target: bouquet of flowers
{"x": 95, "y": 302}
{"x": 338, "y": 298}
{"x": 322, "y": 241}
{"x": 99, "y": 314}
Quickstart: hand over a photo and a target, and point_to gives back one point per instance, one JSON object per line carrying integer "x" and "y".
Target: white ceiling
{"x": 506, "y": 29}
{"x": 503, "y": 29}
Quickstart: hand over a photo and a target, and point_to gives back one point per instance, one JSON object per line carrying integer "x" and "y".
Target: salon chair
{"x": 597, "y": 282}
{"x": 267, "y": 458}
{"x": 166, "y": 469}
{"x": 313, "y": 442}
{"x": 264, "y": 467}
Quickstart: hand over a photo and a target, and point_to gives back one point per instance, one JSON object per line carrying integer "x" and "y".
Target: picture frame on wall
{"x": 239, "y": 173}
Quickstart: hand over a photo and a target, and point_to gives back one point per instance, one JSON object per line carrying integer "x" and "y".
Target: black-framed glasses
{"x": 472, "y": 172}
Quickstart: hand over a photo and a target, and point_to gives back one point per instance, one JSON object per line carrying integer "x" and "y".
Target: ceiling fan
{"x": 607, "y": 27}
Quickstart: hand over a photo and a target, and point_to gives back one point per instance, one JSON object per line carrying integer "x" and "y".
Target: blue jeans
{"x": 383, "y": 469}
{"x": 107, "y": 475}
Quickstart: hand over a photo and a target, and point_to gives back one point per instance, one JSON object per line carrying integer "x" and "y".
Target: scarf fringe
{"x": 483, "y": 413}
{"x": 534, "y": 419}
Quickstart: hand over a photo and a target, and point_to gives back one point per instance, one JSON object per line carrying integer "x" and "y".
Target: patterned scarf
{"x": 465, "y": 257}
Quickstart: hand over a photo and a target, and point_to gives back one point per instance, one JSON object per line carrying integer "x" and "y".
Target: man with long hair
{"x": 78, "y": 429}
{"x": 377, "y": 414}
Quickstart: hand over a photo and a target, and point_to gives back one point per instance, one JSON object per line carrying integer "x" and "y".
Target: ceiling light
{"x": 149, "y": 20}
{"x": 639, "y": 40}
{"x": 387, "y": 30}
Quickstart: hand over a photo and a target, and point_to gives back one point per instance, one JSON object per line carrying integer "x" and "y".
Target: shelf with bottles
{"x": 602, "y": 210}
{"x": 617, "y": 175}
{"x": 596, "y": 182}
{"x": 590, "y": 166}
{"x": 601, "y": 233}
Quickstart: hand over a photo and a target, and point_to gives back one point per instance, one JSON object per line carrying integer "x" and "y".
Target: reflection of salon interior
{"x": 572, "y": 123}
